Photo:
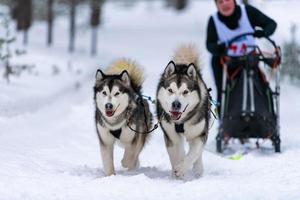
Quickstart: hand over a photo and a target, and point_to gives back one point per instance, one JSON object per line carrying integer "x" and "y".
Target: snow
{"x": 48, "y": 143}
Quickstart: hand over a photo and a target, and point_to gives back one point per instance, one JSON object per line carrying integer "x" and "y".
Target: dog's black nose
{"x": 108, "y": 106}
{"x": 176, "y": 105}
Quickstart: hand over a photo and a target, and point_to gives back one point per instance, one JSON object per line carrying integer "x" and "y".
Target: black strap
{"x": 141, "y": 102}
{"x": 116, "y": 133}
{"x": 179, "y": 128}
{"x": 143, "y": 132}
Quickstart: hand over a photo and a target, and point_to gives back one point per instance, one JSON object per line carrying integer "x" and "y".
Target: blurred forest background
{"x": 25, "y": 12}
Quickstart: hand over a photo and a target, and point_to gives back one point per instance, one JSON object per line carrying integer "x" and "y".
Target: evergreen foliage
{"x": 291, "y": 56}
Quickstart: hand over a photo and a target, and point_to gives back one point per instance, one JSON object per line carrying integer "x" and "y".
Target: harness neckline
{"x": 116, "y": 133}
{"x": 179, "y": 128}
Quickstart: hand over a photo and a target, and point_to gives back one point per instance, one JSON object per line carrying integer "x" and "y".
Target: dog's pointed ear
{"x": 100, "y": 75}
{"x": 170, "y": 69}
{"x": 191, "y": 71}
{"x": 125, "y": 77}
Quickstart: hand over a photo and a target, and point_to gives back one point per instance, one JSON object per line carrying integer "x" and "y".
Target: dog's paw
{"x": 109, "y": 173}
{"x": 137, "y": 164}
{"x": 125, "y": 163}
{"x": 198, "y": 174}
{"x": 179, "y": 171}
{"x": 130, "y": 164}
{"x": 198, "y": 171}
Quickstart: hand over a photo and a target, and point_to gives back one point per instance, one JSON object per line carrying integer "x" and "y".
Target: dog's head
{"x": 179, "y": 90}
{"x": 112, "y": 93}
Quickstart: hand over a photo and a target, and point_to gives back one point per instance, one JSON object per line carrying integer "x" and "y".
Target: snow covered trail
{"x": 54, "y": 154}
{"x": 38, "y": 149}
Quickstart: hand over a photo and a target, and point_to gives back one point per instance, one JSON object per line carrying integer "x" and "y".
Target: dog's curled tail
{"x": 134, "y": 70}
{"x": 187, "y": 54}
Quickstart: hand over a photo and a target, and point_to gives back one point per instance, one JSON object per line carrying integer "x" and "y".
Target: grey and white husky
{"x": 183, "y": 109}
{"x": 121, "y": 114}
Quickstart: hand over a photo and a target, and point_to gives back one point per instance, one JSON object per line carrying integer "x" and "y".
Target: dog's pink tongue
{"x": 109, "y": 113}
{"x": 175, "y": 115}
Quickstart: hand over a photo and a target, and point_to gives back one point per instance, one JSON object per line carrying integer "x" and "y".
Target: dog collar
{"x": 179, "y": 128}
{"x": 116, "y": 133}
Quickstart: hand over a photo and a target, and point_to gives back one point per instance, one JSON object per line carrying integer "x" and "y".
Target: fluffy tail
{"x": 134, "y": 70}
{"x": 186, "y": 54}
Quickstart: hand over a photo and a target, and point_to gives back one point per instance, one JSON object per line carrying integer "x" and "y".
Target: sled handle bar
{"x": 246, "y": 34}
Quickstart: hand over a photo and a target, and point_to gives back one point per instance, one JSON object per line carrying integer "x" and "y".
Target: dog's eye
{"x": 185, "y": 92}
{"x": 170, "y": 90}
{"x": 117, "y": 93}
{"x": 104, "y": 93}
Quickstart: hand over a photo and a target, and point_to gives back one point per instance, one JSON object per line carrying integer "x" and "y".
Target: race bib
{"x": 240, "y": 47}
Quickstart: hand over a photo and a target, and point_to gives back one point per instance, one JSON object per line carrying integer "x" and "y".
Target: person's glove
{"x": 222, "y": 48}
{"x": 259, "y": 33}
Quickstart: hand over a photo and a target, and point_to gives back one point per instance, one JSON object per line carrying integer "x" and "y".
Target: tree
{"x": 23, "y": 14}
{"x": 177, "y": 4}
{"x": 180, "y": 4}
{"x": 291, "y": 62}
{"x": 96, "y": 6}
{"x": 5, "y": 49}
{"x": 50, "y": 21}
{"x": 72, "y": 25}
{"x": 13, "y": 9}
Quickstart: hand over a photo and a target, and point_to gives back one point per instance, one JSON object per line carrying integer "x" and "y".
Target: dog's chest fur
{"x": 126, "y": 135}
{"x": 191, "y": 131}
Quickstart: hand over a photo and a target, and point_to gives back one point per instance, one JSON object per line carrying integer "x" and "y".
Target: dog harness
{"x": 116, "y": 133}
{"x": 179, "y": 128}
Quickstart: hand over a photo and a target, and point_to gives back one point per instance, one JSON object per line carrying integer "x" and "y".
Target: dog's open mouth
{"x": 175, "y": 115}
{"x": 109, "y": 113}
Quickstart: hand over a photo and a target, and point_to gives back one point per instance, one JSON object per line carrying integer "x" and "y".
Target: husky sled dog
{"x": 121, "y": 114}
{"x": 183, "y": 110}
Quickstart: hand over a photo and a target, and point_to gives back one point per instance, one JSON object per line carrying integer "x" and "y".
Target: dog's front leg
{"x": 176, "y": 152}
{"x": 132, "y": 152}
{"x": 130, "y": 160}
{"x": 198, "y": 166}
{"x": 195, "y": 149}
{"x": 107, "y": 153}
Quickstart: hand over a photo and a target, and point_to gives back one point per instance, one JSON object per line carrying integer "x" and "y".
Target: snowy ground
{"x": 48, "y": 143}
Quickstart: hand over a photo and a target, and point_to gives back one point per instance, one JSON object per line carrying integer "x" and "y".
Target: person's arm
{"x": 259, "y": 19}
{"x": 212, "y": 39}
